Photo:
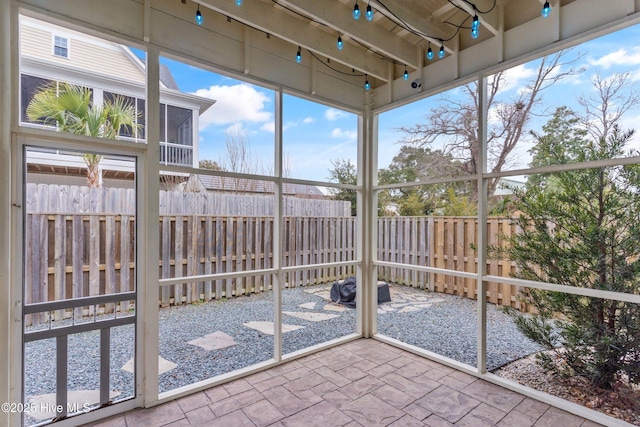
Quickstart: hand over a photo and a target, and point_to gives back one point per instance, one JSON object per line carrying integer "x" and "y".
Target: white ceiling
{"x": 259, "y": 39}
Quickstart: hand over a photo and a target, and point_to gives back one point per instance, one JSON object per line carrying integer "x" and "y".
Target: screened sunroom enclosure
{"x": 178, "y": 272}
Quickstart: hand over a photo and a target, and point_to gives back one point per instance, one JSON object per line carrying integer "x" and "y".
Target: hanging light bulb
{"x": 406, "y": 73}
{"x": 369, "y": 13}
{"x": 429, "y": 52}
{"x": 199, "y": 18}
{"x": 367, "y": 86}
{"x": 299, "y": 56}
{"x": 238, "y": 2}
{"x": 356, "y": 11}
{"x": 546, "y": 9}
{"x": 475, "y": 27}
{"x": 441, "y": 52}
{"x": 339, "y": 42}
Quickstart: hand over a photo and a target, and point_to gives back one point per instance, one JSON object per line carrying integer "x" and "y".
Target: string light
{"x": 406, "y": 73}
{"x": 367, "y": 86}
{"x": 369, "y": 13}
{"x": 339, "y": 42}
{"x": 356, "y": 11}
{"x": 441, "y": 52}
{"x": 475, "y": 27}
{"x": 546, "y": 9}
{"x": 199, "y": 19}
{"x": 299, "y": 56}
{"x": 429, "y": 52}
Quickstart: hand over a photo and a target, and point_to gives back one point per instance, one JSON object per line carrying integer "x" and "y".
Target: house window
{"x": 139, "y": 105}
{"x": 176, "y": 125}
{"x": 61, "y": 46}
{"x": 29, "y": 86}
{"x": 179, "y": 125}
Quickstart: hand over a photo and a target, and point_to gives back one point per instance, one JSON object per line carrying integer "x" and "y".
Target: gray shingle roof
{"x": 222, "y": 183}
{"x": 167, "y": 78}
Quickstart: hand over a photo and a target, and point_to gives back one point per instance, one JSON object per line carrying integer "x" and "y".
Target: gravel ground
{"x": 449, "y": 328}
{"x": 444, "y": 324}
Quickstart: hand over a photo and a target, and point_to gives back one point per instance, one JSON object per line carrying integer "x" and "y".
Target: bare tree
{"x": 614, "y": 95}
{"x": 457, "y": 119}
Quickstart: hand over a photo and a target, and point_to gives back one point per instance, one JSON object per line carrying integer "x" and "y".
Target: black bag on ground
{"x": 345, "y": 292}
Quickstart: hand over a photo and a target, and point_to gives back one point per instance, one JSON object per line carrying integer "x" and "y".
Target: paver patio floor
{"x": 361, "y": 383}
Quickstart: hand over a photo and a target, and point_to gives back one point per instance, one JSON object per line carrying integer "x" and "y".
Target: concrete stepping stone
{"x": 398, "y": 305}
{"x": 425, "y": 305}
{"x": 312, "y": 317}
{"x": 324, "y": 292}
{"x": 44, "y": 405}
{"x": 268, "y": 328}
{"x": 408, "y": 309}
{"x": 309, "y": 305}
{"x": 214, "y": 341}
{"x": 334, "y": 307}
{"x": 163, "y": 365}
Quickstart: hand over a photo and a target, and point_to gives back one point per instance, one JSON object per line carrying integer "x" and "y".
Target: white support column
{"x": 195, "y": 144}
{"x": 482, "y": 226}
{"x": 277, "y": 232}
{"x": 556, "y": 10}
{"x": 148, "y": 224}
{"x": 367, "y": 223}
{"x": 6, "y": 278}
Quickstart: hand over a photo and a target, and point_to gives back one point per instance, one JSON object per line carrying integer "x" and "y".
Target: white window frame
{"x": 55, "y": 38}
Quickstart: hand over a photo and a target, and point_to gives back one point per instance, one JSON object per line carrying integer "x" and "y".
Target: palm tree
{"x": 70, "y": 109}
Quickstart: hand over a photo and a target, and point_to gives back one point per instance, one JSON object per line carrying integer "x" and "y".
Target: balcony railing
{"x": 176, "y": 154}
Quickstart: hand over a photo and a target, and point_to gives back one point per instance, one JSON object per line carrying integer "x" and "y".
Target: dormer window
{"x": 61, "y": 46}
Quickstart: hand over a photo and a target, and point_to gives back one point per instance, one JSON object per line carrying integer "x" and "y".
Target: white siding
{"x": 85, "y": 52}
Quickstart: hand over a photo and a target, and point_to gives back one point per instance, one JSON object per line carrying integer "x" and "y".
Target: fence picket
{"x": 110, "y": 258}
{"x": 125, "y": 273}
{"x": 209, "y": 240}
{"x": 178, "y": 289}
{"x": 60, "y": 262}
{"x": 92, "y": 254}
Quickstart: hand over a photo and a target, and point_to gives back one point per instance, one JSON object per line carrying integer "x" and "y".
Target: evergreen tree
{"x": 344, "y": 172}
{"x": 581, "y": 229}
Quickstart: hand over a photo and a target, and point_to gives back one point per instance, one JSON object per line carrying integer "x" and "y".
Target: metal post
{"x": 105, "y": 362}
{"x": 277, "y": 233}
{"x": 367, "y": 223}
{"x": 61, "y": 375}
{"x": 482, "y": 226}
{"x": 147, "y": 182}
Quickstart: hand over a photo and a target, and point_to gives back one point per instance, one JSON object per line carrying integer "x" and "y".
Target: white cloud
{"x": 308, "y": 120}
{"x": 234, "y": 104}
{"x": 619, "y": 57}
{"x": 269, "y": 127}
{"x": 235, "y": 129}
{"x": 333, "y": 114}
{"x": 516, "y": 77}
{"x": 346, "y": 134}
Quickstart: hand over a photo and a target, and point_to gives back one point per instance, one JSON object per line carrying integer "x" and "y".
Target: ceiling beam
{"x": 417, "y": 18}
{"x": 338, "y": 16}
{"x": 264, "y": 17}
{"x": 489, "y": 17}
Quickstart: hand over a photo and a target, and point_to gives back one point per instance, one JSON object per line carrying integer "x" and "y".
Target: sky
{"x": 316, "y": 135}
{"x": 615, "y": 53}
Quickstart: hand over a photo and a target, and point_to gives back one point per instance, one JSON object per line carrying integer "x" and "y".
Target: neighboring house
{"x": 221, "y": 184}
{"x": 49, "y": 53}
{"x": 505, "y": 186}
